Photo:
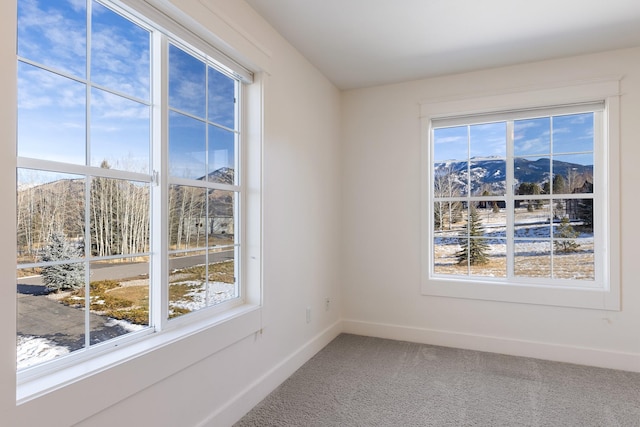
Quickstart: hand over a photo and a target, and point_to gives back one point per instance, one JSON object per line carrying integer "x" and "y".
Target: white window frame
{"x": 606, "y": 197}
{"x": 218, "y": 326}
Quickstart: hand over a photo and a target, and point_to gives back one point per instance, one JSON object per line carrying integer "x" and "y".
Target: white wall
{"x": 381, "y": 208}
{"x": 334, "y": 215}
{"x": 301, "y": 225}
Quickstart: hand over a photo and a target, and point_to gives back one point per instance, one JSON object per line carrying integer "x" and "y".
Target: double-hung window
{"x": 130, "y": 192}
{"x": 519, "y": 204}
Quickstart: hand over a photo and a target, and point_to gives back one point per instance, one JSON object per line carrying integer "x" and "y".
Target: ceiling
{"x": 360, "y": 43}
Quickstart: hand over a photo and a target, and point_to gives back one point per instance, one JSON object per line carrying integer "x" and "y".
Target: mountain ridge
{"x": 490, "y": 174}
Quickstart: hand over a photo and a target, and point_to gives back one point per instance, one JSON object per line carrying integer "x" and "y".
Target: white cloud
{"x": 78, "y": 5}
{"x": 450, "y": 139}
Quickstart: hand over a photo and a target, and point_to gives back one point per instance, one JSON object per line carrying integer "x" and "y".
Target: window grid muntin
{"x": 594, "y": 108}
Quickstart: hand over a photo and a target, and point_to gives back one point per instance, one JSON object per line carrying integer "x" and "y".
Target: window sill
{"x": 173, "y": 349}
{"x": 593, "y": 298}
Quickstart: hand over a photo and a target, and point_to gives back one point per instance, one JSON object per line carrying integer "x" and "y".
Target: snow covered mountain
{"x": 490, "y": 174}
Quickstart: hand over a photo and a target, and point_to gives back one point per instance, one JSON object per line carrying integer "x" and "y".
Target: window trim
{"x": 605, "y": 90}
{"x": 171, "y": 20}
{"x": 215, "y": 327}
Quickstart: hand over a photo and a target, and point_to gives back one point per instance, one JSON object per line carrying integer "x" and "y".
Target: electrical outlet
{"x": 327, "y": 304}
{"x": 308, "y": 314}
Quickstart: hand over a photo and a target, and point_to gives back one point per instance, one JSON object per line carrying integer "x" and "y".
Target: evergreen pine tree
{"x": 61, "y": 276}
{"x": 566, "y": 233}
{"x": 559, "y": 184}
{"x": 474, "y": 248}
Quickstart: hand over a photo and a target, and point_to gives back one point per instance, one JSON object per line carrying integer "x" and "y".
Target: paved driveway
{"x": 43, "y": 317}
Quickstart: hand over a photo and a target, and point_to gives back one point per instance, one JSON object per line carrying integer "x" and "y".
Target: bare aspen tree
{"x": 445, "y": 185}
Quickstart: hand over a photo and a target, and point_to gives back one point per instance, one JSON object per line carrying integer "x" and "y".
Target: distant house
{"x": 581, "y": 209}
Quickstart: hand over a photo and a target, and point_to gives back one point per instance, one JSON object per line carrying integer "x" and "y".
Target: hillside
{"x": 490, "y": 174}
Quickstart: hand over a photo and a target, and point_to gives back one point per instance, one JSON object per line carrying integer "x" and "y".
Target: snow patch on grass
{"x": 34, "y": 350}
{"x": 200, "y": 297}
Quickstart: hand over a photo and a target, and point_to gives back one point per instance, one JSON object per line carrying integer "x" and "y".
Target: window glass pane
{"x": 120, "y": 133}
{"x": 32, "y": 348}
{"x": 573, "y": 133}
{"x": 48, "y": 203}
{"x": 531, "y": 174}
{"x": 450, "y": 144}
{"x": 574, "y": 221}
{"x": 201, "y": 279}
{"x": 573, "y": 259}
{"x": 221, "y": 218}
{"x": 119, "y": 53}
{"x": 119, "y": 292}
{"x": 488, "y": 140}
{"x": 187, "y": 147}
{"x": 558, "y": 209}
{"x": 532, "y": 218}
{"x": 494, "y": 222}
{"x": 447, "y": 215}
{"x": 450, "y": 179}
{"x": 54, "y": 33}
{"x": 50, "y": 324}
{"x": 222, "y": 159}
{"x": 119, "y": 217}
{"x": 488, "y": 177}
{"x": 187, "y": 83}
{"x": 581, "y": 212}
{"x": 531, "y": 137}
{"x": 445, "y": 246}
{"x": 573, "y": 174}
{"x": 221, "y": 99}
{"x": 187, "y": 217}
{"x": 495, "y": 258}
{"x": 533, "y": 258}
{"x": 222, "y": 284}
{"x": 51, "y": 116}
{"x": 493, "y": 216}
{"x": 187, "y": 282}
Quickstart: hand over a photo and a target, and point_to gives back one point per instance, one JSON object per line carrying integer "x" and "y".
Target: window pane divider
{"x": 159, "y": 281}
{"x": 95, "y": 171}
{"x": 84, "y": 81}
{"x": 204, "y": 184}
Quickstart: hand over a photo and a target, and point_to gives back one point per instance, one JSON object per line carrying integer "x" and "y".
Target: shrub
{"x": 61, "y": 276}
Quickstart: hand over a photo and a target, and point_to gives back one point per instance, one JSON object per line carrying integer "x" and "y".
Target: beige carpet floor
{"x": 363, "y": 381}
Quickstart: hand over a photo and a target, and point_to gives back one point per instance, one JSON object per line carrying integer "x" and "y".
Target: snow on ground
{"x": 127, "y": 326}
{"x": 216, "y": 292}
{"x": 34, "y": 350}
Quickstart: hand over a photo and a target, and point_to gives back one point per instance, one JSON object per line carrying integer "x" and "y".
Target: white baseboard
{"x": 539, "y": 350}
{"x": 240, "y": 404}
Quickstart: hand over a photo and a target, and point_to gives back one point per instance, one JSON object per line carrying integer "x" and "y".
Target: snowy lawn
{"x": 34, "y": 350}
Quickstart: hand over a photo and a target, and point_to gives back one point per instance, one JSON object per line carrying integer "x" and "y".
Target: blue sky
{"x": 199, "y": 93}
{"x": 571, "y": 135}
{"x": 52, "y": 106}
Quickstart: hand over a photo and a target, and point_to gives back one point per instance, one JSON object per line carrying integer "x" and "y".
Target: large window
{"x": 518, "y": 205}
{"x": 129, "y": 180}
